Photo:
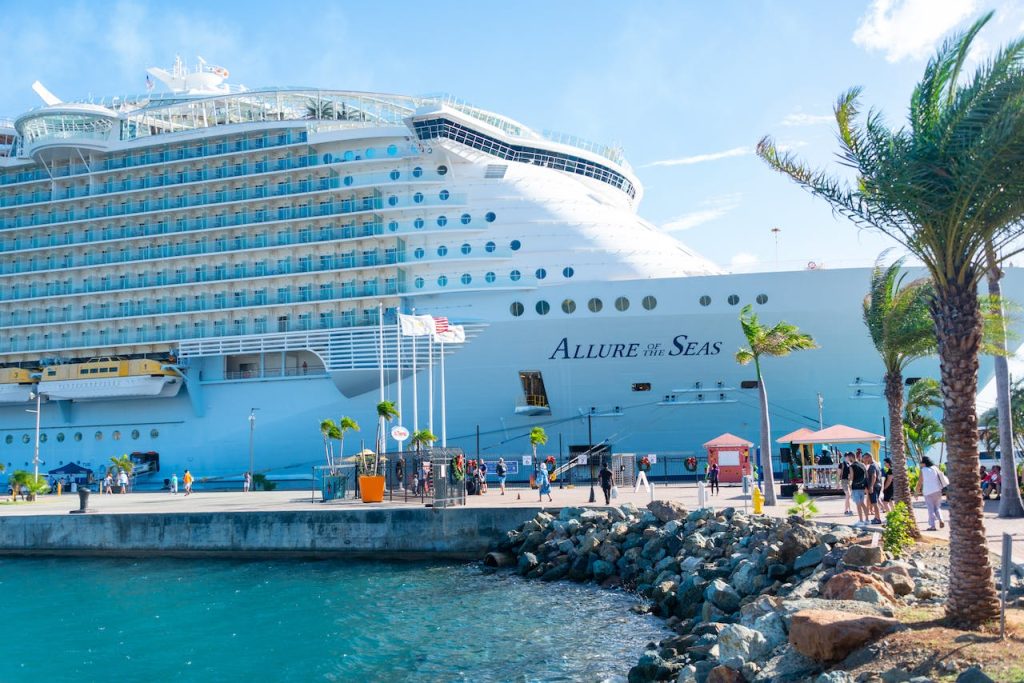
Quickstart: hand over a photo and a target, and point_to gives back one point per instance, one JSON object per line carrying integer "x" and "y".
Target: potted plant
{"x": 371, "y": 482}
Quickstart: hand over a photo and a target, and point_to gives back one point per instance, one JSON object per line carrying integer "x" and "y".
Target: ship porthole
{"x": 9, "y": 438}
{"x": 153, "y": 433}
{"x": 490, "y": 216}
{"x": 442, "y": 170}
{"x": 649, "y": 302}
{"x": 568, "y": 306}
{"x": 733, "y": 299}
{"x": 595, "y": 305}
{"x": 490, "y": 277}
{"x": 705, "y": 300}
{"x": 135, "y": 433}
{"x": 78, "y": 436}
{"x": 42, "y": 437}
{"x": 516, "y": 309}
{"x": 622, "y": 304}
{"x": 98, "y": 436}
{"x": 25, "y": 438}
{"x": 60, "y": 437}
{"x": 762, "y": 298}
{"x": 543, "y": 307}
{"x": 116, "y": 435}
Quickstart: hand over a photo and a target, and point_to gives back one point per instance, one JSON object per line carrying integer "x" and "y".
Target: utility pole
{"x": 590, "y": 452}
{"x": 252, "y": 437}
{"x": 35, "y": 458}
{"x": 776, "y": 231}
{"x": 821, "y": 405}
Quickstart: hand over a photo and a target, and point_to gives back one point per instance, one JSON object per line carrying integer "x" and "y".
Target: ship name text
{"x": 681, "y": 345}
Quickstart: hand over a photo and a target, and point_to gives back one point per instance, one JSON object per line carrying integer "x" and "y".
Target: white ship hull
{"x": 110, "y": 388}
{"x": 14, "y": 393}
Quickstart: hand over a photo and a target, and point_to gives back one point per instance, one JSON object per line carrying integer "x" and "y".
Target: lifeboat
{"x": 109, "y": 378}
{"x": 16, "y": 385}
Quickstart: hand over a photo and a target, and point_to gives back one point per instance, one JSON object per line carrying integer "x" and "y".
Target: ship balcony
{"x": 532, "y": 405}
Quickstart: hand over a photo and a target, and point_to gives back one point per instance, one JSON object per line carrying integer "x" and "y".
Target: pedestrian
{"x": 713, "y": 473}
{"x": 845, "y": 472}
{"x": 606, "y": 483}
{"x": 888, "y": 488}
{"x": 502, "y": 471}
{"x": 108, "y": 483}
{"x": 483, "y": 476}
{"x": 247, "y": 482}
{"x": 993, "y": 483}
{"x": 930, "y": 484}
{"x": 641, "y": 479}
{"x": 174, "y": 484}
{"x": 400, "y": 472}
{"x": 122, "y": 481}
{"x": 873, "y": 487}
{"x": 421, "y": 475}
{"x": 858, "y": 484}
{"x": 543, "y": 482}
{"x": 187, "y": 481}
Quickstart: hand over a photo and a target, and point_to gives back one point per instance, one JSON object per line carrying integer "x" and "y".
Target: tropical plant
{"x": 920, "y": 428}
{"x": 422, "y": 438}
{"x": 804, "y": 506}
{"x": 329, "y": 430}
{"x": 123, "y": 462}
{"x": 538, "y": 437}
{"x": 261, "y": 483}
{"x": 386, "y": 412}
{"x": 345, "y": 424}
{"x": 896, "y": 314}
{"x": 898, "y": 534}
{"x": 319, "y": 109}
{"x": 946, "y": 186}
{"x": 779, "y": 340}
{"x": 32, "y": 484}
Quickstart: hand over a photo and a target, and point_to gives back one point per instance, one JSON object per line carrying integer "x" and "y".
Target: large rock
{"x": 602, "y": 570}
{"x": 527, "y": 561}
{"x": 772, "y": 627}
{"x": 667, "y": 510}
{"x": 723, "y": 596}
{"x": 739, "y": 644}
{"x": 723, "y": 674}
{"x": 898, "y": 578}
{"x": 863, "y": 556}
{"x": 973, "y": 675}
{"x": 811, "y": 558}
{"x": 795, "y": 542}
{"x": 834, "y": 677}
{"x": 858, "y": 586}
{"x": 831, "y": 636}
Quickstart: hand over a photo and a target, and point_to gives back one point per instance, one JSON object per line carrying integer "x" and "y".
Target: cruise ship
{"x": 204, "y": 267}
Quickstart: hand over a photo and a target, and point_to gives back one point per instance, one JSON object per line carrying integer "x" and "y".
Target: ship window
{"x": 78, "y": 436}
{"x": 392, "y": 150}
{"x": 622, "y": 304}
{"x": 419, "y": 283}
{"x": 705, "y": 300}
{"x": 395, "y": 175}
{"x": 60, "y": 437}
{"x": 541, "y": 273}
{"x": 568, "y": 306}
{"x": 641, "y": 386}
{"x": 42, "y": 437}
{"x": 515, "y": 244}
{"x": 490, "y": 247}
{"x": 466, "y": 278}
{"x": 116, "y": 435}
{"x": 516, "y": 308}
{"x": 543, "y": 307}
{"x": 135, "y": 433}
{"x": 418, "y": 197}
{"x": 733, "y": 299}
{"x": 392, "y": 200}
{"x": 98, "y": 436}
{"x": 348, "y": 180}
{"x": 442, "y": 280}
{"x": 442, "y": 170}
{"x": 370, "y": 152}
{"x": 490, "y": 277}
{"x": 419, "y": 252}
{"x": 9, "y": 438}
{"x": 568, "y": 272}
{"x": 349, "y": 155}
{"x": 649, "y": 302}
{"x": 442, "y": 221}
{"x": 393, "y": 226}
{"x": 515, "y": 275}
{"x": 418, "y": 223}
{"x": 153, "y": 433}
{"x": 442, "y": 250}
{"x": 762, "y": 298}
{"x": 595, "y": 305}
{"x": 466, "y": 248}
{"x": 25, "y": 438}
{"x": 489, "y": 217}
{"x": 417, "y": 172}
{"x": 466, "y": 218}
{"x": 444, "y": 194}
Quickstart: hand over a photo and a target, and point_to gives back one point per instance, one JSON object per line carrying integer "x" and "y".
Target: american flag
{"x": 440, "y": 325}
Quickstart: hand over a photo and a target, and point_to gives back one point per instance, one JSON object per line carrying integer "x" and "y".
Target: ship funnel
{"x": 44, "y": 94}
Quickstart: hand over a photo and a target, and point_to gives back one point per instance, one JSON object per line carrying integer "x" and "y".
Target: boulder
{"x": 646, "y": 669}
{"x": 851, "y": 586}
{"x": 723, "y": 674}
{"x": 667, "y": 510}
{"x": 688, "y": 674}
{"x": 789, "y": 665}
{"x": 602, "y": 570}
{"x": 829, "y": 636}
{"x": 973, "y": 675}
{"x": 811, "y": 558}
{"x": 795, "y": 542}
{"x": 834, "y": 677}
{"x": 723, "y": 596}
{"x": 772, "y": 628}
{"x": 527, "y": 561}
{"x": 737, "y": 642}
{"x": 747, "y": 577}
{"x": 898, "y": 578}
{"x": 863, "y": 556}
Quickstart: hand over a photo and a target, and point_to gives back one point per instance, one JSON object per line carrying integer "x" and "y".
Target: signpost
{"x": 399, "y": 433}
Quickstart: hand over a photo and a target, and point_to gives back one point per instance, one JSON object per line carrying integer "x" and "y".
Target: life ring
{"x": 219, "y": 70}
{"x": 811, "y": 265}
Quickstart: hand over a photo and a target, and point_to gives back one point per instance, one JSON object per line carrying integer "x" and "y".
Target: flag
{"x": 149, "y": 82}
{"x": 455, "y": 334}
{"x": 415, "y": 325}
{"x": 440, "y": 325}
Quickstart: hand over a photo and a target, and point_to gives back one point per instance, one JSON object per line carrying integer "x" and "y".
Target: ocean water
{"x": 220, "y": 620}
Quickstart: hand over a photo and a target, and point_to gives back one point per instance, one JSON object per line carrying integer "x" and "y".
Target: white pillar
{"x": 444, "y": 419}
{"x": 430, "y": 385}
{"x": 398, "y": 364}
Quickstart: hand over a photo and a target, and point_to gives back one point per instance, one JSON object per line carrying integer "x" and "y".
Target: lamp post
{"x": 590, "y": 452}
{"x": 35, "y": 458}
{"x": 252, "y": 435}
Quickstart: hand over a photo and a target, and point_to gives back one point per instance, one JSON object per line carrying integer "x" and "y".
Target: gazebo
{"x": 825, "y": 478}
{"x": 732, "y": 454}
{"x": 805, "y": 451}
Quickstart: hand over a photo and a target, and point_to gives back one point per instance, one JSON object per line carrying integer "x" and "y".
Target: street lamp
{"x": 35, "y": 458}
{"x": 252, "y": 435}
{"x": 590, "y": 452}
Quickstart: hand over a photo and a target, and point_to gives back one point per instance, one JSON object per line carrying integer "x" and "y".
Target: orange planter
{"x": 371, "y": 487}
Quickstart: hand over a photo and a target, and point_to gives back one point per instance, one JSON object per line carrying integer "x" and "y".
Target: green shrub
{"x": 896, "y": 538}
{"x": 913, "y": 475}
{"x": 804, "y": 507}
{"x": 261, "y": 483}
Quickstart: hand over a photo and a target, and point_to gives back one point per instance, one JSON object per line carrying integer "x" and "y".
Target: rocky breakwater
{"x": 745, "y": 594}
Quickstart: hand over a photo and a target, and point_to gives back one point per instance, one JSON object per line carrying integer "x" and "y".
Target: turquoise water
{"x": 220, "y": 620}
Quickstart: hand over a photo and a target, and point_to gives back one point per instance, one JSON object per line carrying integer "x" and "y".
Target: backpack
{"x": 859, "y": 480}
{"x": 501, "y": 470}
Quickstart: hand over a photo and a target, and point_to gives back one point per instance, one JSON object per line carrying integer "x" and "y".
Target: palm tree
{"x": 897, "y": 317}
{"x": 422, "y": 438}
{"x": 538, "y": 437}
{"x": 345, "y": 424}
{"x": 921, "y": 429}
{"x": 123, "y": 462}
{"x": 329, "y": 430}
{"x": 779, "y": 340}
{"x": 386, "y": 412}
{"x": 944, "y": 187}
{"x": 319, "y": 109}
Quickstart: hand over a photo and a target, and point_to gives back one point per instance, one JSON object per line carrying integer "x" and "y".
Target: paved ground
{"x": 831, "y": 508}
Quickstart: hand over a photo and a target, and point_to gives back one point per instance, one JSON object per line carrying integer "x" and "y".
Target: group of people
{"x": 870, "y": 488}
{"x": 187, "y": 481}
{"x": 991, "y": 481}
{"x": 121, "y": 481}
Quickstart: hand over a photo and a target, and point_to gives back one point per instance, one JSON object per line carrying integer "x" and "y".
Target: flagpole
{"x": 444, "y": 419}
{"x": 398, "y": 362}
{"x": 430, "y": 384}
{"x": 415, "y": 393}
{"x": 380, "y": 330}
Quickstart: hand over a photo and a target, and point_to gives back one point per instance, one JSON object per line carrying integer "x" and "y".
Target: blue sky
{"x": 686, "y": 88}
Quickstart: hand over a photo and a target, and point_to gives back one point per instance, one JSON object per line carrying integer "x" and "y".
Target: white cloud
{"x": 743, "y": 259}
{"x": 711, "y": 210}
{"x": 701, "y": 158}
{"x": 799, "y": 118}
{"x": 909, "y": 29}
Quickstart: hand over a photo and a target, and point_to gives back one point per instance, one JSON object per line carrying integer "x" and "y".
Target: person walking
{"x": 858, "y": 484}
{"x": 400, "y": 472}
{"x": 605, "y": 477}
{"x": 502, "y": 472}
{"x": 247, "y": 482}
{"x": 873, "y": 487}
{"x": 483, "y": 476}
{"x": 641, "y": 479}
{"x": 845, "y": 472}
{"x": 713, "y": 473}
{"x": 543, "y": 481}
{"x": 108, "y": 484}
{"x": 174, "y": 483}
{"x": 187, "y": 480}
{"x": 888, "y": 480}
{"x": 930, "y": 484}
{"x": 122, "y": 481}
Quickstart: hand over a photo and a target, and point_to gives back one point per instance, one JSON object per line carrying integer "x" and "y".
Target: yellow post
{"x": 758, "y": 499}
{"x": 59, "y": 484}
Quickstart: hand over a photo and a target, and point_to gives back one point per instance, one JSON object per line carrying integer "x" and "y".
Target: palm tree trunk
{"x": 897, "y": 446}
{"x": 1010, "y": 504}
{"x": 972, "y": 596}
{"x": 766, "y": 445}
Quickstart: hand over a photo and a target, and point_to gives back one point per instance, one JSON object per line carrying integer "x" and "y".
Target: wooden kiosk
{"x": 732, "y": 454}
{"x": 824, "y": 479}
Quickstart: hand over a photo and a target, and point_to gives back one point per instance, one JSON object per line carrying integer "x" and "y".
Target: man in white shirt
{"x": 930, "y": 484}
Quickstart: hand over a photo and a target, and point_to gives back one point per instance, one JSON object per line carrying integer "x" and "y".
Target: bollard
{"x": 83, "y": 501}
{"x": 758, "y": 499}
{"x": 59, "y": 485}
{"x": 701, "y": 495}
